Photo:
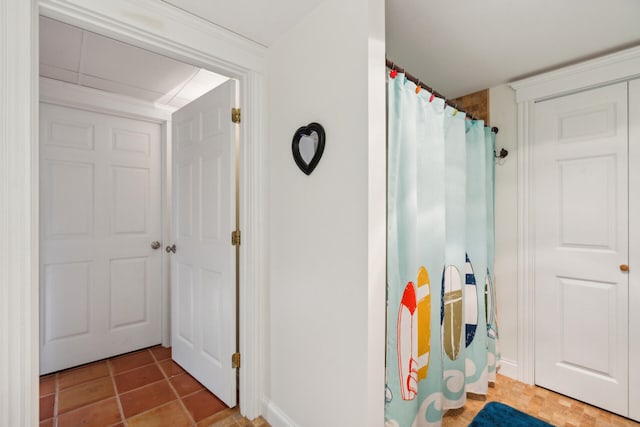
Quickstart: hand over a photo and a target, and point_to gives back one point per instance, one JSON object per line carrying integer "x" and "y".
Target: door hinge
{"x": 235, "y": 238}
{"x": 235, "y": 360}
{"x": 235, "y": 115}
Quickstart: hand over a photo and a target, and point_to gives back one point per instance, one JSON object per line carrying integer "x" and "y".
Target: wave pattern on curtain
{"x": 441, "y": 316}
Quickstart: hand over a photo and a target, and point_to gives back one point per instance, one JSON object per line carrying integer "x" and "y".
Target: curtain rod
{"x": 417, "y": 81}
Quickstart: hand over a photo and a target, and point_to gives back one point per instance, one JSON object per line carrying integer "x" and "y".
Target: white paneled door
{"x": 203, "y": 266}
{"x": 581, "y": 216}
{"x": 100, "y": 205}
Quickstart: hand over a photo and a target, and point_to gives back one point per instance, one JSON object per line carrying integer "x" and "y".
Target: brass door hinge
{"x": 235, "y": 238}
{"x": 235, "y": 115}
{"x": 235, "y": 360}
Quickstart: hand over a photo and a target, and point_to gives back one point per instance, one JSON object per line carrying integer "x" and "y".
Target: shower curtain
{"x": 442, "y": 336}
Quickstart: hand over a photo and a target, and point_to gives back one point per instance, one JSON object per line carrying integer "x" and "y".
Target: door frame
{"x": 83, "y": 98}
{"x": 163, "y": 29}
{"x": 619, "y": 66}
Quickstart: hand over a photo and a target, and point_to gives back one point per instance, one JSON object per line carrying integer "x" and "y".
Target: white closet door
{"x": 581, "y": 240}
{"x": 100, "y": 212}
{"x": 634, "y": 249}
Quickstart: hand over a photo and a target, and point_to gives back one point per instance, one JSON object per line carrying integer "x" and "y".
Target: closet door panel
{"x": 581, "y": 239}
{"x": 100, "y": 210}
{"x": 634, "y": 249}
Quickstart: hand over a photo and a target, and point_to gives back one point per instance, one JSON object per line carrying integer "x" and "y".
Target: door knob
{"x": 155, "y": 245}
{"x": 171, "y": 248}
{"x": 624, "y": 267}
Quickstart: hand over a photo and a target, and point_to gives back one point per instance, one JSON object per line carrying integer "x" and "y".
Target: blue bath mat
{"x": 496, "y": 414}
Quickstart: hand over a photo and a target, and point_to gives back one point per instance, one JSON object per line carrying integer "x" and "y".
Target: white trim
{"x": 253, "y": 253}
{"x": 160, "y": 27}
{"x": 167, "y": 232}
{"x": 84, "y": 98}
{"x": 621, "y": 66}
{"x": 525, "y": 263}
{"x": 276, "y": 416}
{"x": 75, "y": 96}
{"x": 634, "y": 249}
{"x": 166, "y": 30}
{"x": 509, "y": 368}
{"x": 19, "y": 213}
{"x": 377, "y": 216}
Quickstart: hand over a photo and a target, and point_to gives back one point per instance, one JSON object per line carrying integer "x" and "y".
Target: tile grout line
{"x": 180, "y": 402}
{"x": 117, "y": 393}
{"x": 132, "y": 369}
{"x": 56, "y": 386}
{"x": 154, "y": 362}
{"x": 157, "y": 364}
{"x": 83, "y": 384}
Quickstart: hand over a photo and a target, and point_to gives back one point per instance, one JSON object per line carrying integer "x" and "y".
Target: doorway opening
{"x": 91, "y": 199}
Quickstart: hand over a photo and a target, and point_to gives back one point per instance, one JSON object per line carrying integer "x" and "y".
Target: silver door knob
{"x": 155, "y": 245}
{"x": 171, "y": 248}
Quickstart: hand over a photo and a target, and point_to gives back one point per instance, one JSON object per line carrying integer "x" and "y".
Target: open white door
{"x": 203, "y": 267}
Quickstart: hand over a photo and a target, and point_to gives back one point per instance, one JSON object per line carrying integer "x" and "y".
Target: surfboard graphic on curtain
{"x": 470, "y": 303}
{"x": 452, "y": 309}
{"x": 489, "y": 297}
{"x": 414, "y": 334}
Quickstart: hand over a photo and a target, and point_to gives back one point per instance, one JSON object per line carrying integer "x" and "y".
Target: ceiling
{"x": 80, "y": 57}
{"x": 460, "y": 47}
{"x": 455, "y": 47}
{"x": 260, "y": 21}
{"x": 463, "y": 46}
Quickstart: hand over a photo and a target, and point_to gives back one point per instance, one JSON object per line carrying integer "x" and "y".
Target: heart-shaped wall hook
{"x": 307, "y": 146}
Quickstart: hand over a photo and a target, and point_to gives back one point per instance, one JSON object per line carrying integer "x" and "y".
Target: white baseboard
{"x": 509, "y": 368}
{"x": 276, "y": 417}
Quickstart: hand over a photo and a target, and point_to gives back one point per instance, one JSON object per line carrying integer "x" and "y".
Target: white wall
{"x": 326, "y": 358}
{"x": 503, "y": 111}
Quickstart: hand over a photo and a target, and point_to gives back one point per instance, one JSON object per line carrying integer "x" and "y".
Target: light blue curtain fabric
{"x": 453, "y": 323}
{"x": 493, "y": 354}
{"x": 440, "y": 326}
{"x": 477, "y": 235}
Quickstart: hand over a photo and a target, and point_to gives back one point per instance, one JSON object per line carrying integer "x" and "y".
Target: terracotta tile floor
{"x": 140, "y": 389}
{"x": 551, "y": 407}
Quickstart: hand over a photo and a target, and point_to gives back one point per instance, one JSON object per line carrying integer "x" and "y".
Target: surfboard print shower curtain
{"x": 441, "y": 317}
